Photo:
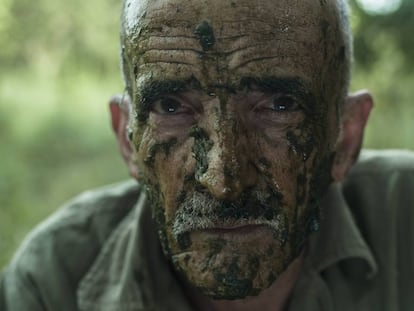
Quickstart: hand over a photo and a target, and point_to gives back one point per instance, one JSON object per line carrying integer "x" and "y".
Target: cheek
{"x": 280, "y": 164}
{"x": 165, "y": 163}
{"x": 171, "y": 171}
{"x": 289, "y": 159}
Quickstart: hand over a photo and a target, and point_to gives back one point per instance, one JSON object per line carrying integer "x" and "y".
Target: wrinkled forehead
{"x": 221, "y": 41}
{"x": 253, "y": 16}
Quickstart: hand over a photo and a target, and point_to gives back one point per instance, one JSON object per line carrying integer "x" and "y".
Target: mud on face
{"x": 275, "y": 160}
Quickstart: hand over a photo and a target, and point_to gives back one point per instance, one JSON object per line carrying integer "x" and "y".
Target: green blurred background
{"x": 59, "y": 67}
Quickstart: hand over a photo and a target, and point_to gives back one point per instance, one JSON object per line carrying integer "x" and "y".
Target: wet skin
{"x": 233, "y": 132}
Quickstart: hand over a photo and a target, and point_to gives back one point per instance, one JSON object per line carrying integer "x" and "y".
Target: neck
{"x": 274, "y": 298}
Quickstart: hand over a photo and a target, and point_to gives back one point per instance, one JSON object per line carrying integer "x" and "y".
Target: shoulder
{"x": 380, "y": 180}
{"x": 92, "y": 214}
{"x": 61, "y": 249}
{"x": 380, "y": 193}
{"x": 384, "y": 162}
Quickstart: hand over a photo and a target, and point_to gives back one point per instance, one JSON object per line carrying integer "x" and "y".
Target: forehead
{"x": 222, "y": 41}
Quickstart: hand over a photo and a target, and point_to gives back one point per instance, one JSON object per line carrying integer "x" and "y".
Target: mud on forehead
{"x": 271, "y": 38}
{"x": 190, "y": 12}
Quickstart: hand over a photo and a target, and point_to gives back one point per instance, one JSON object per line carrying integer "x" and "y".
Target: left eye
{"x": 167, "y": 105}
{"x": 283, "y": 103}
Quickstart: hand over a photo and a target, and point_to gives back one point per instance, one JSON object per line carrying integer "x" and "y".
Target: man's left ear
{"x": 354, "y": 118}
{"x": 119, "y": 107}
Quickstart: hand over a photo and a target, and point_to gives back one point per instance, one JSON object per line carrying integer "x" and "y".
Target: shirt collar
{"x": 338, "y": 242}
{"x": 130, "y": 272}
{"x": 339, "y": 238}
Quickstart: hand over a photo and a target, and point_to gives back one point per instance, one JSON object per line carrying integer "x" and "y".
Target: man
{"x": 237, "y": 125}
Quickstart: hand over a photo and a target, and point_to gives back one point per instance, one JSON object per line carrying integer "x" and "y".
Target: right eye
{"x": 168, "y": 106}
{"x": 284, "y": 104}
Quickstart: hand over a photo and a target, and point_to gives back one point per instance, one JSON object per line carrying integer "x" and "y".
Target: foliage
{"x": 376, "y": 31}
{"x": 59, "y": 66}
{"x": 384, "y": 65}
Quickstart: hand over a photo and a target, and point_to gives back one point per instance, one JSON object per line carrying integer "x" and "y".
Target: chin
{"x": 230, "y": 267}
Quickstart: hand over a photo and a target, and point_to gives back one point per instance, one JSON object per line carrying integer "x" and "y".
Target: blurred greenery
{"x": 59, "y": 66}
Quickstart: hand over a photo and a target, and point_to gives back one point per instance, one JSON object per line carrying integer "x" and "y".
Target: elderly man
{"x": 236, "y": 123}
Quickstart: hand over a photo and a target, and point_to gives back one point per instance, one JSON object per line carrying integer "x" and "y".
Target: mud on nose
{"x": 226, "y": 171}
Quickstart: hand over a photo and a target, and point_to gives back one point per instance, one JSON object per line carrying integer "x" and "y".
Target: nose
{"x": 227, "y": 171}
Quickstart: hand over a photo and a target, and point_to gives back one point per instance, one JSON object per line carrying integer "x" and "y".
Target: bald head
{"x": 173, "y": 36}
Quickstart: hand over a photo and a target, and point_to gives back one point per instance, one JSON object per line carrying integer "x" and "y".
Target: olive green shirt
{"x": 101, "y": 252}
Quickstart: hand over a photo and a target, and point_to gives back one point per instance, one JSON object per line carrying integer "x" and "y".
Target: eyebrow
{"x": 286, "y": 85}
{"x": 289, "y": 85}
{"x": 152, "y": 90}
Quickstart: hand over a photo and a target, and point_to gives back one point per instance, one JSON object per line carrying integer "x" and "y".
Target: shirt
{"x": 101, "y": 250}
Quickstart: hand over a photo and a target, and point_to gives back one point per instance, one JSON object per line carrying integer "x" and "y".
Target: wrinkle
{"x": 183, "y": 57}
{"x": 166, "y": 62}
{"x": 256, "y": 59}
{"x": 161, "y": 50}
{"x": 291, "y": 49}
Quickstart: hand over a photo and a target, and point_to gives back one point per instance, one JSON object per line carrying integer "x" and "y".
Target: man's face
{"x": 234, "y": 128}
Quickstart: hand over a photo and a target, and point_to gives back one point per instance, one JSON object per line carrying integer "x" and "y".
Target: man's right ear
{"x": 119, "y": 107}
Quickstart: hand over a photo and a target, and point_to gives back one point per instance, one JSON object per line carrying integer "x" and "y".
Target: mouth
{"x": 246, "y": 233}
{"x": 240, "y": 229}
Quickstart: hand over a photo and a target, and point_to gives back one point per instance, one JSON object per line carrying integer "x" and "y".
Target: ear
{"x": 119, "y": 107}
{"x": 354, "y": 118}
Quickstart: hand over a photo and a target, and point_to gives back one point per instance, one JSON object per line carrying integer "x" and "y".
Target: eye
{"x": 168, "y": 106}
{"x": 284, "y": 103}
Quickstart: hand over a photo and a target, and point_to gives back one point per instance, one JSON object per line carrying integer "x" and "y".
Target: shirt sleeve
{"x": 17, "y": 292}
